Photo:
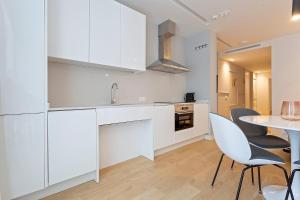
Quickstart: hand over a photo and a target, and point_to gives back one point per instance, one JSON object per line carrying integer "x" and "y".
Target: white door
{"x": 71, "y": 144}
{"x": 133, "y": 39}
{"x": 23, "y": 138}
{"x": 164, "y": 126}
{"x": 68, "y": 29}
{"x": 22, "y": 56}
{"x": 105, "y": 32}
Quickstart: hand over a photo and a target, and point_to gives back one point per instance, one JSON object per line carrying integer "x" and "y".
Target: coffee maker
{"x": 189, "y": 97}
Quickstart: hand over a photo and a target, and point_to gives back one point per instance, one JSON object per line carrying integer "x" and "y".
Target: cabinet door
{"x": 163, "y": 126}
{"x": 71, "y": 144}
{"x": 68, "y": 29}
{"x": 23, "y": 137}
{"x": 133, "y": 39}
{"x": 105, "y": 28}
{"x": 22, "y": 57}
{"x": 201, "y": 119}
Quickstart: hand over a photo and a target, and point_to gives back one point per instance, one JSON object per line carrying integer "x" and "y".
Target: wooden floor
{"x": 182, "y": 174}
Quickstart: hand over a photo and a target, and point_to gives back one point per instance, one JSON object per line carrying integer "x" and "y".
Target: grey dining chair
{"x": 233, "y": 143}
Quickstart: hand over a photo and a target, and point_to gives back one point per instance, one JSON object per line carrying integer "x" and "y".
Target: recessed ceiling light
{"x": 231, "y": 59}
{"x": 244, "y": 42}
{"x": 295, "y": 17}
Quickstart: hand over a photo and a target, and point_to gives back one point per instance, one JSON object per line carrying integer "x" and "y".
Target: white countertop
{"x": 114, "y": 106}
{"x": 105, "y": 106}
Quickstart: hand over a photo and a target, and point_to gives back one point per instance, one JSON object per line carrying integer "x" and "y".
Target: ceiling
{"x": 258, "y": 60}
{"x": 248, "y": 20}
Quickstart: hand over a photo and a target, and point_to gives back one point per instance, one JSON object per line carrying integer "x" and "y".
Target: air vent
{"x": 241, "y": 49}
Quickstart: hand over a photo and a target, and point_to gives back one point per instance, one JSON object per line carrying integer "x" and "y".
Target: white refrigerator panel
{"x": 22, "y": 154}
{"x": 22, "y": 56}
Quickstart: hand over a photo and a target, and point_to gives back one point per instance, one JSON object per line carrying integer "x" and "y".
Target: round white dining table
{"x": 292, "y": 128}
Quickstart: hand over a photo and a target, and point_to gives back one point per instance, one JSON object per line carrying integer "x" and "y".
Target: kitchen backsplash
{"x": 72, "y": 85}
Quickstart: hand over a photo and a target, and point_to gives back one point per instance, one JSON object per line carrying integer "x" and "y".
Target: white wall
{"x": 71, "y": 85}
{"x": 203, "y": 65}
{"x": 285, "y": 69}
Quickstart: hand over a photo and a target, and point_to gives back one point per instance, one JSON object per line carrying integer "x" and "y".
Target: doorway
{"x": 245, "y": 80}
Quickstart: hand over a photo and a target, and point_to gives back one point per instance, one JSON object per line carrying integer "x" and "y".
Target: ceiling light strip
{"x": 191, "y": 11}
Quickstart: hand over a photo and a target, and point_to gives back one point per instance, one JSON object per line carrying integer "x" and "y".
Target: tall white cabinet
{"x": 22, "y": 57}
{"x": 22, "y": 97}
{"x": 68, "y": 29}
{"x": 23, "y": 140}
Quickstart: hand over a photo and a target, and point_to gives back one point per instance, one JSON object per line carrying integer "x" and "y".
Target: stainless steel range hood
{"x": 165, "y": 31}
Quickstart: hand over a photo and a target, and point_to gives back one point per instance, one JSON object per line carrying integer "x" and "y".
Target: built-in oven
{"x": 184, "y": 116}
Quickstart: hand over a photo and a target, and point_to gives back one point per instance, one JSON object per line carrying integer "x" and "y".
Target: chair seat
{"x": 268, "y": 141}
{"x": 297, "y": 162}
{"x": 261, "y": 154}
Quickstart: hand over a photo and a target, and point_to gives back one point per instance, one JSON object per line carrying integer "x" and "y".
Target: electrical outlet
{"x": 142, "y": 99}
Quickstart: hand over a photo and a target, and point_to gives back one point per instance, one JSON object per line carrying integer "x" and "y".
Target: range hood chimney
{"x": 165, "y": 31}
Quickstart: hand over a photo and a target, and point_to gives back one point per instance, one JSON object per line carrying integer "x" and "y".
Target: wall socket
{"x": 142, "y": 99}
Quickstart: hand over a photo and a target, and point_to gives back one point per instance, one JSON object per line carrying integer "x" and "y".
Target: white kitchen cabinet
{"x": 71, "y": 144}
{"x": 163, "y": 126}
{"x": 23, "y": 137}
{"x": 133, "y": 39}
{"x": 22, "y": 57}
{"x": 201, "y": 119}
{"x": 105, "y": 29}
{"x": 68, "y": 29}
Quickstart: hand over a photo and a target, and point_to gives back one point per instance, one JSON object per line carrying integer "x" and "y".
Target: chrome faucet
{"x": 114, "y": 88}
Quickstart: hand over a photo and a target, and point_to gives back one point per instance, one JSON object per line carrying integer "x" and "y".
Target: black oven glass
{"x": 184, "y": 121}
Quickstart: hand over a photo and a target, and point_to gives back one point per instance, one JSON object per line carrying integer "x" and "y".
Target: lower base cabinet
{"x": 71, "y": 144}
{"x": 22, "y": 148}
{"x": 164, "y": 126}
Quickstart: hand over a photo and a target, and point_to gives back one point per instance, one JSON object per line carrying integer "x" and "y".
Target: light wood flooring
{"x": 182, "y": 174}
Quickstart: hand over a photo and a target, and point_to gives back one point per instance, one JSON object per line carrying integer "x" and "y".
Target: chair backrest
{"x": 247, "y": 128}
{"x": 230, "y": 139}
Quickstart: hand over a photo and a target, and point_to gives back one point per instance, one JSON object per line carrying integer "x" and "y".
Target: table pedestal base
{"x": 277, "y": 192}
{"x": 274, "y": 192}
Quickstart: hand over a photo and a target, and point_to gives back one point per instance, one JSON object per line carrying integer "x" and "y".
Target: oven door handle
{"x": 185, "y": 113}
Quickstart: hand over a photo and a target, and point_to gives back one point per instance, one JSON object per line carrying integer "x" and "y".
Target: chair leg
{"x": 290, "y": 184}
{"x": 259, "y": 180}
{"x": 252, "y": 176}
{"x": 232, "y": 164}
{"x": 217, "y": 170}
{"x": 289, "y": 190}
{"x": 241, "y": 182}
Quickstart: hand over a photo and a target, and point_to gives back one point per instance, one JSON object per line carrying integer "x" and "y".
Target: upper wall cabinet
{"x": 99, "y": 32}
{"x": 68, "y": 29}
{"x": 133, "y": 39}
{"x": 105, "y": 16}
{"x": 22, "y": 57}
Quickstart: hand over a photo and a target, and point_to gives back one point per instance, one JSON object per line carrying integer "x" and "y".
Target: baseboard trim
{"x": 59, "y": 187}
{"x": 178, "y": 145}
